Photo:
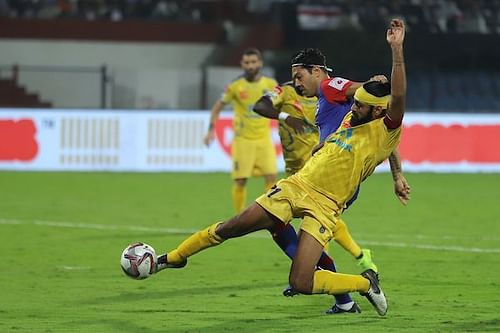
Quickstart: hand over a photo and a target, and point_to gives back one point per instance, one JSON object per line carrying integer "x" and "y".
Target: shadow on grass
{"x": 286, "y": 322}
{"x": 127, "y": 297}
{"x": 492, "y": 325}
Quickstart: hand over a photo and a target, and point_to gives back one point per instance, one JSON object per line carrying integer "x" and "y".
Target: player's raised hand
{"x": 396, "y": 33}
{"x": 209, "y": 137}
{"x": 379, "y": 78}
{"x": 402, "y": 189}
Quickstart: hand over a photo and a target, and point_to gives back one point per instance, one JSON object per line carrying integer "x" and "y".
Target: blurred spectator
{"x": 431, "y": 16}
{"x": 373, "y": 15}
{"x": 167, "y": 10}
{"x": 49, "y": 10}
{"x": 448, "y": 15}
{"x": 67, "y": 8}
{"x": 473, "y": 19}
{"x": 259, "y": 6}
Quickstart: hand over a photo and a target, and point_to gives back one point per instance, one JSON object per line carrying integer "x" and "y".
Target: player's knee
{"x": 300, "y": 283}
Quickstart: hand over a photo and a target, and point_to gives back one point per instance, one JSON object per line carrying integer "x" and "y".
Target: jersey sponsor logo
{"x": 338, "y": 83}
{"x": 17, "y": 140}
{"x": 340, "y": 139}
{"x": 243, "y": 94}
{"x": 341, "y": 144}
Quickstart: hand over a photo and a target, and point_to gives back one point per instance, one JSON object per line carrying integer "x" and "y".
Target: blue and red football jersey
{"x": 333, "y": 105}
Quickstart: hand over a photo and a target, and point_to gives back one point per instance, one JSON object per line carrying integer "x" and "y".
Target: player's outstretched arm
{"x": 352, "y": 89}
{"x": 214, "y": 116}
{"x": 265, "y": 108}
{"x": 355, "y": 85}
{"x": 401, "y": 186}
{"x": 395, "y": 37}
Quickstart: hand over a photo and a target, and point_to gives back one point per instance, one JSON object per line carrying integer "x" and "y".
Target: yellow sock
{"x": 343, "y": 237}
{"x": 326, "y": 282}
{"x": 195, "y": 243}
{"x": 239, "y": 197}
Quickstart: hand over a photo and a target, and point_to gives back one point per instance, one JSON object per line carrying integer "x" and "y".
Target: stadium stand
{"x": 452, "y": 58}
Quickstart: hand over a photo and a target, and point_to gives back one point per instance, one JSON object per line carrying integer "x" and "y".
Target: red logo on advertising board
{"x": 451, "y": 144}
{"x": 17, "y": 140}
{"x": 224, "y": 134}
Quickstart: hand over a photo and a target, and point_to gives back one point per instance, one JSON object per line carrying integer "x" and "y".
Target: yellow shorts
{"x": 253, "y": 158}
{"x": 293, "y": 198}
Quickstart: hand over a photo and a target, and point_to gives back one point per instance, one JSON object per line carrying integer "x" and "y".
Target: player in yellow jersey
{"x": 298, "y": 138}
{"x": 253, "y": 152}
{"x": 298, "y": 133}
{"x": 318, "y": 193}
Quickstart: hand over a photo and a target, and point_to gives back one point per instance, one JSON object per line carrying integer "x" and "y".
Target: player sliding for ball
{"x": 373, "y": 132}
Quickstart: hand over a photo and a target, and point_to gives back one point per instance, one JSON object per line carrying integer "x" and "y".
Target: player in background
{"x": 296, "y": 114}
{"x": 372, "y": 132}
{"x": 297, "y": 130}
{"x": 253, "y": 152}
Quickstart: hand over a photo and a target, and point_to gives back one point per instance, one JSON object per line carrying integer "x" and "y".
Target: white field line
{"x": 76, "y": 225}
{"x": 431, "y": 247}
{"x": 442, "y": 237}
{"x": 93, "y": 226}
{"x": 75, "y": 268}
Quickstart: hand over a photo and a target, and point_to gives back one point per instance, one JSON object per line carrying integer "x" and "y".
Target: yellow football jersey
{"x": 348, "y": 157}
{"x": 296, "y": 147}
{"x": 243, "y": 94}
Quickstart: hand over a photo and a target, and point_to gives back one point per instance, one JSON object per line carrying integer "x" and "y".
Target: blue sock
{"x": 285, "y": 236}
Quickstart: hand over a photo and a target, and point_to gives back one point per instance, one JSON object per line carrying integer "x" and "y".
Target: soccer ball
{"x": 138, "y": 261}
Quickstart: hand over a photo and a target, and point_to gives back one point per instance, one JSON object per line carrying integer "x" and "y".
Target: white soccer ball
{"x": 138, "y": 261}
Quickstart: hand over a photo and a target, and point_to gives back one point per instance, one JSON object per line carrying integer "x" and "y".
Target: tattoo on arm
{"x": 395, "y": 163}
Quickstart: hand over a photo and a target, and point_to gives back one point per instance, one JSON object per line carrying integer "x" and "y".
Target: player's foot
{"x": 366, "y": 262}
{"x": 335, "y": 309}
{"x": 375, "y": 294}
{"x": 289, "y": 292}
{"x": 161, "y": 263}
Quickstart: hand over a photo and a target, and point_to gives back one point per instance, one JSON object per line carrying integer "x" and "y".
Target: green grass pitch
{"x": 61, "y": 235}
